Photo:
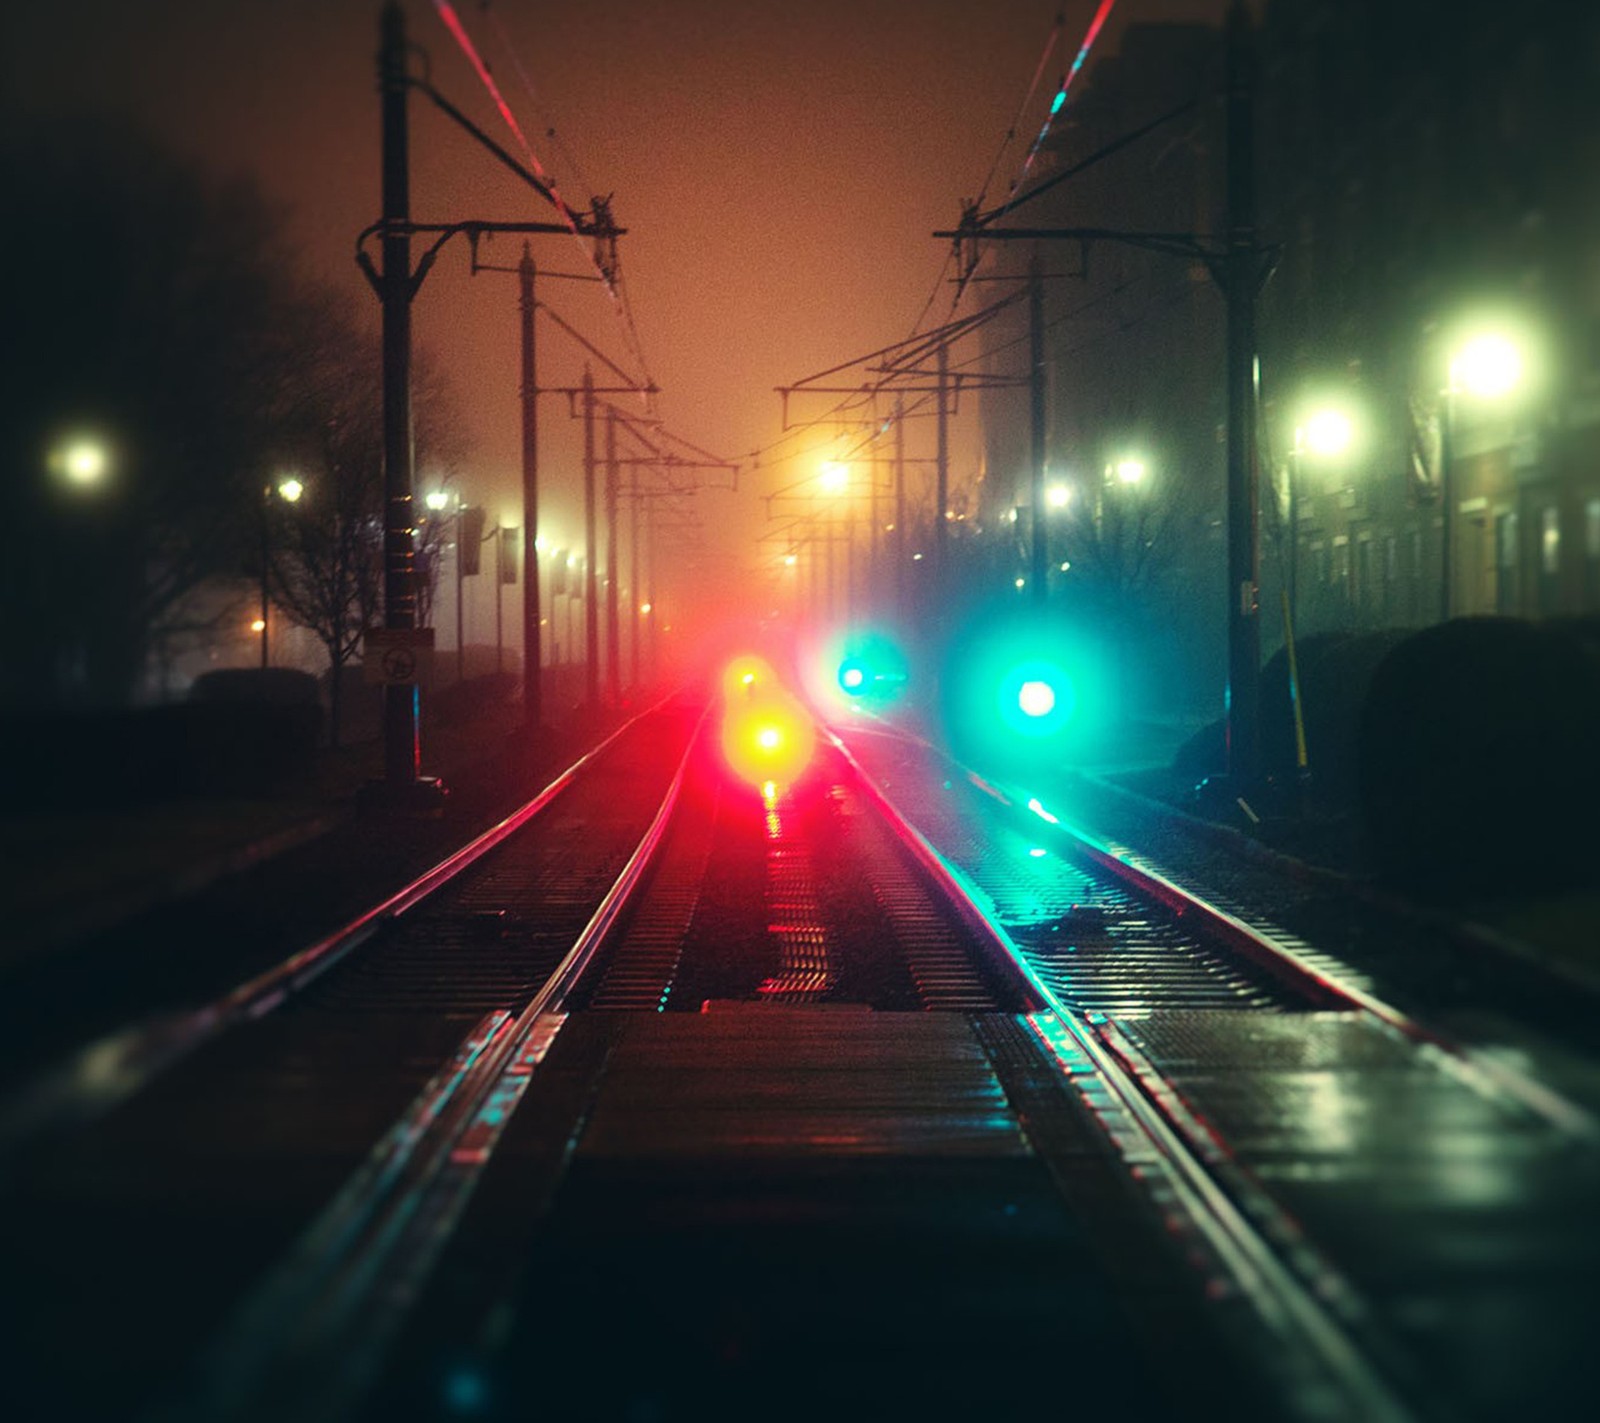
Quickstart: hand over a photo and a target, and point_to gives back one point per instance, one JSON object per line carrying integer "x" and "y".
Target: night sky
{"x": 779, "y": 167}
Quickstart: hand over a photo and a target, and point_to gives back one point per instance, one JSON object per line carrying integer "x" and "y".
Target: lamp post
{"x": 1325, "y": 433}
{"x": 1488, "y": 365}
{"x": 290, "y": 491}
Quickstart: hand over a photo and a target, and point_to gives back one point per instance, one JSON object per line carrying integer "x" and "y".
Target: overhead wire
{"x": 613, "y": 279}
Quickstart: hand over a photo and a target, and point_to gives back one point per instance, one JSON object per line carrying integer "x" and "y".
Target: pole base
{"x": 424, "y": 796}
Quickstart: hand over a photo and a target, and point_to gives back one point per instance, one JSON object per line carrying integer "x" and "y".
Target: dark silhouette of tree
{"x": 325, "y": 549}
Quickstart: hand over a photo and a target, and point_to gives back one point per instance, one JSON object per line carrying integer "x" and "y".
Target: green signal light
{"x": 1036, "y": 699}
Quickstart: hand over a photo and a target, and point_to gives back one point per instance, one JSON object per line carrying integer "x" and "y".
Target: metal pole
{"x": 461, "y": 621}
{"x": 941, "y": 531}
{"x": 899, "y": 546}
{"x": 1036, "y": 415}
{"x": 591, "y": 609}
{"x": 499, "y": 602}
{"x": 1446, "y": 499}
{"x": 1294, "y": 537}
{"x": 1244, "y": 629}
{"x": 613, "y": 630}
{"x": 532, "y": 652}
{"x": 264, "y": 556}
{"x": 633, "y": 566}
{"x": 402, "y": 747}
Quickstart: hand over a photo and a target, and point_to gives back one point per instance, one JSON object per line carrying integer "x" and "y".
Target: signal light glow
{"x": 1036, "y": 699}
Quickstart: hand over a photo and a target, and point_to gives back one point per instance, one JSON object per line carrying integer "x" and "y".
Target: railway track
{"x": 339, "y": 1188}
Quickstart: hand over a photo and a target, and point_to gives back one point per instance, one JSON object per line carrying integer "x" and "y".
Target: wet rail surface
{"x": 1419, "y": 1168}
{"x": 761, "y": 1101}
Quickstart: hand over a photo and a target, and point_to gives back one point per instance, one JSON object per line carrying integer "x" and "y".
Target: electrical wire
{"x": 1059, "y": 102}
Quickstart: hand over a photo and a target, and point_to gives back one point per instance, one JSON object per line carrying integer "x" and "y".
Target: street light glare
{"x": 291, "y": 489}
{"x": 1327, "y": 432}
{"x": 1131, "y": 471}
{"x": 835, "y": 476}
{"x": 1058, "y": 495}
{"x": 1487, "y": 366}
{"x": 84, "y": 462}
{"x": 437, "y": 499}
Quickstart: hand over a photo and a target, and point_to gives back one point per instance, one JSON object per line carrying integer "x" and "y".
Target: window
{"x": 1549, "y": 559}
{"x": 1505, "y": 562}
{"x": 1550, "y": 542}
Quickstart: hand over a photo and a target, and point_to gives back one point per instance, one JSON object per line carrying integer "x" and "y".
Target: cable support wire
{"x": 1060, "y": 100}
{"x": 1051, "y": 41}
{"x": 613, "y": 277}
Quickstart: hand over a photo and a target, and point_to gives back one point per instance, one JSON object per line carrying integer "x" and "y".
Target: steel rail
{"x": 1295, "y": 1310}
{"x": 309, "y": 1340}
{"x": 1320, "y": 982}
{"x": 110, "y": 1070}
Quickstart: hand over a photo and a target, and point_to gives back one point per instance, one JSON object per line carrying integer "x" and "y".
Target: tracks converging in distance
{"x": 322, "y": 1193}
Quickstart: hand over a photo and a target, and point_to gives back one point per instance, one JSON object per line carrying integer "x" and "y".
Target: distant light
{"x": 1065, "y": 567}
{"x": 573, "y": 560}
{"x": 1326, "y": 432}
{"x": 1038, "y": 809}
{"x": 1036, "y": 698}
{"x": 769, "y": 738}
{"x": 916, "y": 558}
{"x": 1059, "y": 495}
{"x": 1022, "y": 583}
{"x": 1131, "y": 471}
{"x": 291, "y": 489}
{"x": 83, "y": 462}
{"x": 835, "y": 476}
{"x": 789, "y": 560}
{"x": 259, "y": 625}
{"x": 1488, "y": 366}
{"x": 749, "y": 679}
{"x": 852, "y": 676}
{"x": 1011, "y": 516}
{"x": 645, "y": 608}
{"x": 1037, "y": 852}
{"x": 437, "y": 499}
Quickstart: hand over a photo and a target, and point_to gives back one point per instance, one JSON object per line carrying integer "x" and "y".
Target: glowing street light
{"x": 835, "y": 477}
{"x": 1131, "y": 471}
{"x": 1325, "y": 432}
{"x": 1488, "y": 365}
{"x": 1058, "y": 496}
{"x": 82, "y": 461}
{"x": 290, "y": 490}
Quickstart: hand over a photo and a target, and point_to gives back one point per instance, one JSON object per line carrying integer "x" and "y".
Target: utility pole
{"x": 613, "y": 651}
{"x": 1242, "y": 276}
{"x": 591, "y": 611}
{"x": 1036, "y": 417}
{"x": 402, "y": 748}
{"x": 532, "y": 652}
{"x": 633, "y": 566}
{"x": 899, "y": 545}
{"x": 942, "y": 481}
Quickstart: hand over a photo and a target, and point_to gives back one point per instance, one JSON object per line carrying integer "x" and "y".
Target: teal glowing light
{"x": 859, "y": 667}
{"x": 1036, "y": 699}
{"x": 1038, "y": 852}
{"x": 1038, "y": 809}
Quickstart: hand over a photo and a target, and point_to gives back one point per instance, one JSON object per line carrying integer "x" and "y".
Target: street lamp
{"x": 1488, "y": 365}
{"x": 1325, "y": 432}
{"x": 289, "y": 490}
{"x": 81, "y": 461}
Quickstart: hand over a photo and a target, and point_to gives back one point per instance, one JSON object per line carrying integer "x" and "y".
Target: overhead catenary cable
{"x": 1059, "y": 102}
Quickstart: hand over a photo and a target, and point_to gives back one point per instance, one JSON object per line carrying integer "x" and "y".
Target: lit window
{"x": 1591, "y": 530}
{"x": 1550, "y": 540}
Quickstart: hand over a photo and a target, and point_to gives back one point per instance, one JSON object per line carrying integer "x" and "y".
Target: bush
{"x": 1478, "y": 764}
